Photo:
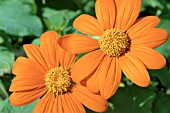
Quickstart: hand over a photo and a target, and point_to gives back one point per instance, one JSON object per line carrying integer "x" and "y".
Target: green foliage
{"x": 23, "y": 21}
{"x": 59, "y": 20}
{"x": 133, "y": 99}
{"x": 6, "y": 107}
{"x": 6, "y": 60}
{"x": 16, "y": 18}
{"x": 161, "y": 103}
{"x": 165, "y": 48}
{"x": 163, "y": 75}
{"x": 3, "y": 92}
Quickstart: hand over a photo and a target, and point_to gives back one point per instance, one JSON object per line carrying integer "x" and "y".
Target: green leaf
{"x": 4, "y": 104}
{"x": 5, "y": 41}
{"x": 163, "y": 75}
{"x": 6, "y": 107}
{"x": 36, "y": 41}
{"x": 3, "y": 90}
{"x": 165, "y": 24}
{"x": 161, "y": 103}
{"x": 1, "y": 40}
{"x": 6, "y": 61}
{"x": 24, "y": 109}
{"x": 151, "y": 3}
{"x": 165, "y": 48}
{"x": 17, "y": 19}
{"x": 133, "y": 99}
{"x": 58, "y": 20}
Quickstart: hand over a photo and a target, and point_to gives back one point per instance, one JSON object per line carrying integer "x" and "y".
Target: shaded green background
{"x": 23, "y": 21}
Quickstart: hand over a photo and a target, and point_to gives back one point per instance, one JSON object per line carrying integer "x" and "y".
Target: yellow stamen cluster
{"x": 57, "y": 80}
{"x": 114, "y": 42}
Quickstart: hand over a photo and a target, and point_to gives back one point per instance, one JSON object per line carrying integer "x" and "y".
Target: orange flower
{"x": 125, "y": 44}
{"x": 45, "y": 74}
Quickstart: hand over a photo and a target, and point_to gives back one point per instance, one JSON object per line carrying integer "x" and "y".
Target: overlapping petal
{"x": 49, "y": 48}
{"x": 88, "y": 25}
{"x": 110, "y": 76}
{"x": 71, "y": 105}
{"x": 66, "y": 59}
{"x": 34, "y": 53}
{"x": 127, "y": 14}
{"x": 152, "y": 38}
{"x": 45, "y": 105}
{"x": 23, "y": 98}
{"x": 143, "y": 24}
{"x": 77, "y": 43}
{"x": 86, "y": 65}
{"x": 28, "y": 67}
{"x": 134, "y": 70}
{"x": 26, "y": 83}
{"x": 150, "y": 58}
{"x": 92, "y": 82}
{"x": 105, "y": 13}
{"x": 90, "y": 100}
{"x": 118, "y": 4}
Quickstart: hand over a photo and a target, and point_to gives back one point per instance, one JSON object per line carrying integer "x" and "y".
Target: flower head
{"x": 126, "y": 44}
{"x": 45, "y": 74}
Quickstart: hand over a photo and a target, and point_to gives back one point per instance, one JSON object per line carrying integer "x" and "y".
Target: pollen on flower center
{"x": 57, "y": 80}
{"x": 114, "y": 42}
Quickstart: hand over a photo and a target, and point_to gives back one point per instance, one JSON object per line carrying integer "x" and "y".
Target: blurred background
{"x": 23, "y": 21}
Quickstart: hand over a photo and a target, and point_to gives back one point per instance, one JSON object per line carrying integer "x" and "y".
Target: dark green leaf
{"x": 161, "y": 103}
{"x": 163, "y": 75}
{"x": 133, "y": 99}
{"x": 151, "y": 3}
{"x": 164, "y": 24}
{"x": 165, "y": 48}
{"x": 61, "y": 4}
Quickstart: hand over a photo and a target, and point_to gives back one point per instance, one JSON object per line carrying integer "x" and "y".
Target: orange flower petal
{"x": 142, "y": 24}
{"x": 70, "y": 105}
{"x": 90, "y": 100}
{"x": 77, "y": 43}
{"x": 110, "y": 77}
{"x": 66, "y": 59}
{"x": 134, "y": 70}
{"x": 27, "y": 67}
{"x": 151, "y": 58}
{"x": 33, "y": 52}
{"x": 152, "y": 38}
{"x": 21, "y": 83}
{"x": 58, "y": 105}
{"x": 23, "y": 98}
{"x": 49, "y": 48}
{"x": 55, "y": 106}
{"x": 88, "y": 25}
{"x": 45, "y": 105}
{"x": 118, "y": 4}
{"x": 86, "y": 65}
{"x": 92, "y": 82}
{"x": 106, "y": 13}
{"x": 127, "y": 14}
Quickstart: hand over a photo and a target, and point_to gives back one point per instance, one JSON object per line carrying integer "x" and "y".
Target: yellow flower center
{"x": 114, "y": 42}
{"x": 57, "y": 80}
